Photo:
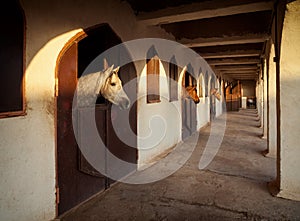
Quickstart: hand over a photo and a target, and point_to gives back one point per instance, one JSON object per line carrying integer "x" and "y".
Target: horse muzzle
{"x": 124, "y": 103}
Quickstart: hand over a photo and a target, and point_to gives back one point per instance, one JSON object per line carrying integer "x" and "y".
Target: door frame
{"x": 75, "y": 39}
{"x": 66, "y": 47}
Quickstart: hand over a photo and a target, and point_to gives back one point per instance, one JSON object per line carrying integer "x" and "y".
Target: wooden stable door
{"x": 189, "y": 116}
{"x": 74, "y": 186}
{"x": 212, "y": 100}
{"x": 77, "y": 180}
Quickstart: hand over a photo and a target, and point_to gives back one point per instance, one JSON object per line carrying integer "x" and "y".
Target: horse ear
{"x": 110, "y": 69}
{"x": 116, "y": 70}
{"x": 107, "y": 72}
{"x": 105, "y": 64}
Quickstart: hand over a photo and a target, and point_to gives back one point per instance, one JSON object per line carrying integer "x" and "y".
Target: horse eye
{"x": 113, "y": 84}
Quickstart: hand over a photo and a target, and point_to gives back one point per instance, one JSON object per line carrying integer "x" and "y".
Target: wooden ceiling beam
{"x": 195, "y": 11}
{"x": 236, "y": 67}
{"x": 243, "y": 75}
{"x": 240, "y": 76}
{"x": 231, "y": 54}
{"x": 239, "y": 72}
{"x": 231, "y": 61}
{"x": 217, "y": 41}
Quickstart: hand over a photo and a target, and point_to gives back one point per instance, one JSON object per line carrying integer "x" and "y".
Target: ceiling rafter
{"x": 230, "y": 35}
{"x": 243, "y": 39}
{"x": 202, "y": 10}
{"x": 239, "y": 71}
{"x": 231, "y": 54}
{"x": 236, "y": 67}
{"x": 230, "y": 61}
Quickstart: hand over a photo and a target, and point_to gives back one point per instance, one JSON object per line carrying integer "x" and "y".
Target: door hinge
{"x": 57, "y": 194}
{"x": 56, "y": 87}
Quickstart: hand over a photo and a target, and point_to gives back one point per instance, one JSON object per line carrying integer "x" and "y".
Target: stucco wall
{"x": 159, "y": 124}
{"x": 202, "y": 106}
{"x": 265, "y": 103}
{"x": 27, "y": 144}
{"x": 248, "y": 89}
{"x": 290, "y": 104}
{"x": 219, "y": 103}
{"x": 259, "y": 99}
{"x": 272, "y": 123}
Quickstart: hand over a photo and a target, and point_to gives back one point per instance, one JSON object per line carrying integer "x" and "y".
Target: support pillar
{"x": 289, "y": 148}
{"x": 265, "y": 102}
{"x": 272, "y": 114}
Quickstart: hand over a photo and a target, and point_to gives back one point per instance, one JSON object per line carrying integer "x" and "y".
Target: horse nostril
{"x": 127, "y": 104}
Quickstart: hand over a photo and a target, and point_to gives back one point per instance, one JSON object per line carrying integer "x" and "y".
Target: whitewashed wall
{"x": 27, "y": 144}
{"x": 159, "y": 124}
{"x": 202, "y": 107}
{"x": 290, "y": 104}
{"x": 265, "y": 104}
{"x": 219, "y": 102}
{"x": 272, "y": 114}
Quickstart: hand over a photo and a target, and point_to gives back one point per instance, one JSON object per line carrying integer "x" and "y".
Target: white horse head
{"x": 112, "y": 89}
{"x": 106, "y": 83}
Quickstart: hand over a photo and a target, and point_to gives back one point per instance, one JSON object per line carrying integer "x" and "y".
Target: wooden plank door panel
{"x": 74, "y": 186}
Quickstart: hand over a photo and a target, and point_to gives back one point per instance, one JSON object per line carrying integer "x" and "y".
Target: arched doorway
{"x": 212, "y": 98}
{"x": 77, "y": 180}
{"x": 189, "y": 112}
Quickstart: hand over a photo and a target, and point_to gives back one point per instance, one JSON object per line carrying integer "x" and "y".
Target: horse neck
{"x": 186, "y": 92}
{"x": 101, "y": 80}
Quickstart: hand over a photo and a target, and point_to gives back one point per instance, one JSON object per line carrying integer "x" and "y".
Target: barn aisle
{"x": 233, "y": 187}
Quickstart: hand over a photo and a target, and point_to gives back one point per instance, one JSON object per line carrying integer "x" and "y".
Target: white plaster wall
{"x": 27, "y": 144}
{"x": 257, "y": 91}
{"x": 290, "y": 104}
{"x": 248, "y": 89}
{"x": 265, "y": 104}
{"x": 202, "y": 114}
{"x": 259, "y": 99}
{"x": 207, "y": 100}
{"x": 262, "y": 103}
{"x": 244, "y": 102}
{"x": 202, "y": 105}
{"x": 219, "y": 102}
{"x": 159, "y": 124}
{"x": 272, "y": 124}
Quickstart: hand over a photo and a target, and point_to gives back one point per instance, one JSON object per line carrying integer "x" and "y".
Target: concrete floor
{"x": 233, "y": 187}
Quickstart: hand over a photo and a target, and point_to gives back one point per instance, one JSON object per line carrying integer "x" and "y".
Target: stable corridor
{"x": 233, "y": 187}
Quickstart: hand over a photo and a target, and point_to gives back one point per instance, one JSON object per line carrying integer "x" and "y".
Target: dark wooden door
{"x": 189, "y": 116}
{"x": 77, "y": 180}
{"x": 212, "y": 99}
{"x": 74, "y": 186}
